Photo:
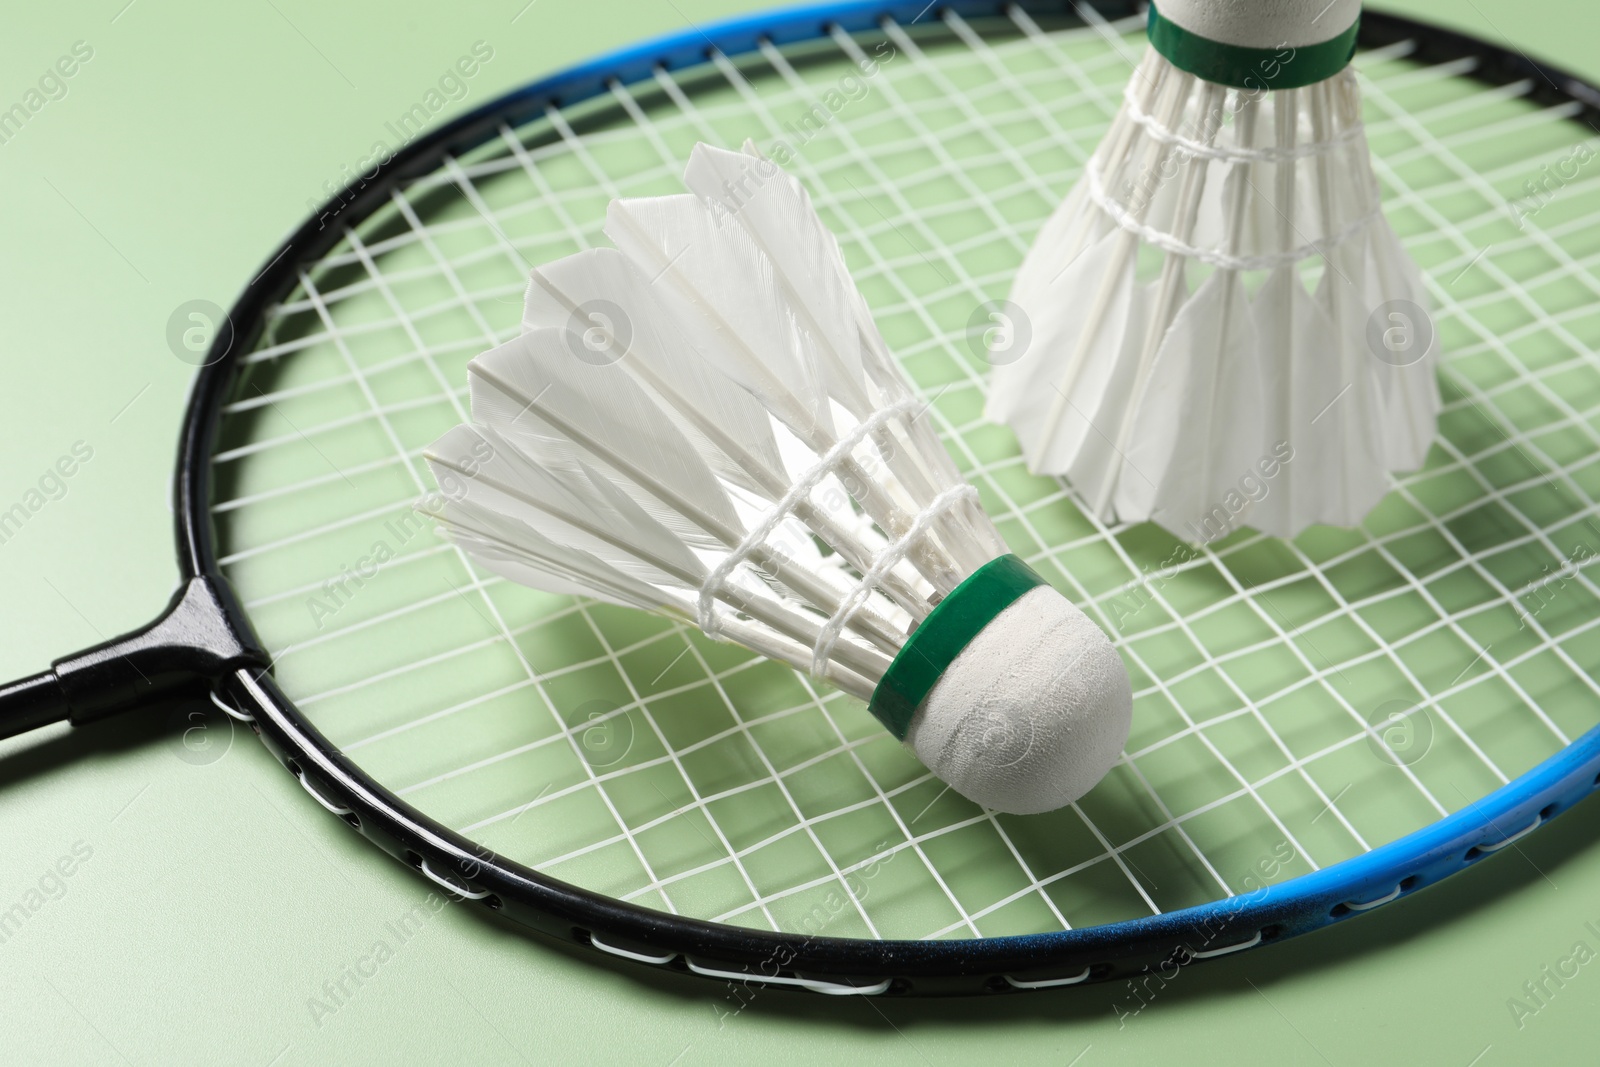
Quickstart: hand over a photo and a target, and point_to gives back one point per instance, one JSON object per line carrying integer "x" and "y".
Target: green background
{"x": 214, "y": 901}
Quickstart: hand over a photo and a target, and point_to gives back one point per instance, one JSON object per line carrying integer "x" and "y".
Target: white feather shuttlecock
{"x": 1221, "y": 327}
{"x": 704, "y": 422}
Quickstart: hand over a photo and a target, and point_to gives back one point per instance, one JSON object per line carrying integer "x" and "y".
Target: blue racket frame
{"x": 204, "y": 639}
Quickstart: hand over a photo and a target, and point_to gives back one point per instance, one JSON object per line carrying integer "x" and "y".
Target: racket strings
{"x": 410, "y": 304}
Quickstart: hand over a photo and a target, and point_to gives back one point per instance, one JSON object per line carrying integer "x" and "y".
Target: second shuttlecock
{"x": 1221, "y": 327}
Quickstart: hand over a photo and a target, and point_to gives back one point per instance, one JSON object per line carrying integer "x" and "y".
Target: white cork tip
{"x": 1032, "y": 713}
{"x": 1262, "y": 23}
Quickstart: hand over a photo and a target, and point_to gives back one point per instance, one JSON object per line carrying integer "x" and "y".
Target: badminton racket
{"x": 1321, "y": 726}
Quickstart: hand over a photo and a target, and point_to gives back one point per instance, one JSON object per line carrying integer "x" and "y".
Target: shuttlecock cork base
{"x": 1028, "y": 709}
{"x": 1225, "y": 330}
{"x": 704, "y": 422}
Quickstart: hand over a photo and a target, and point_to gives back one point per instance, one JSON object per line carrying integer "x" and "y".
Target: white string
{"x": 887, "y": 560}
{"x": 1222, "y": 260}
{"x": 1134, "y": 112}
{"x": 708, "y": 615}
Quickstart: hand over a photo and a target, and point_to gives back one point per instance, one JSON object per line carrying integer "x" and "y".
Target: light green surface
{"x": 214, "y": 904}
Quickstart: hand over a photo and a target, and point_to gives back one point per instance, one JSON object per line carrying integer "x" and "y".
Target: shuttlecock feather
{"x": 1211, "y": 309}
{"x": 704, "y": 422}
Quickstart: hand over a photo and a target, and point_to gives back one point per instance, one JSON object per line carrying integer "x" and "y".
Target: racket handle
{"x": 31, "y": 703}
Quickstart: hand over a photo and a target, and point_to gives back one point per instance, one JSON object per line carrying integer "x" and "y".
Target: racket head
{"x": 951, "y": 923}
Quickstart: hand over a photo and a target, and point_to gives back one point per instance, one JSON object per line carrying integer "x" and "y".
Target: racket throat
{"x": 194, "y": 641}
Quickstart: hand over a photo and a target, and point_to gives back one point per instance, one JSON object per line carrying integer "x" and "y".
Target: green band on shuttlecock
{"x": 944, "y": 634}
{"x": 1251, "y": 68}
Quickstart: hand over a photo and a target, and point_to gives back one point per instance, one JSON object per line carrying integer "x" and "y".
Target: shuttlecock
{"x": 1221, "y": 326}
{"x": 704, "y": 422}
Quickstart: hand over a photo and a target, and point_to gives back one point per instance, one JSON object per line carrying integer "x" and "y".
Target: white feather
{"x": 561, "y": 409}
{"x": 1199, "y": 423}
{"x": 748, "y": 331}
{"x": 560, "y": 506}
{"x": 648, "y": 344}
{"x": 775, "y": 211}
{"x": 726, "y": 424}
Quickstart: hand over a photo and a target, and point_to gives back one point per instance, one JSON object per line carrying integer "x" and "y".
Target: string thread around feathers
{"x": 887, "y": 560}
{"x": 1221, "y": 260}
{"x": 708, "y": 616}
{"x": 1135, "y": 113}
